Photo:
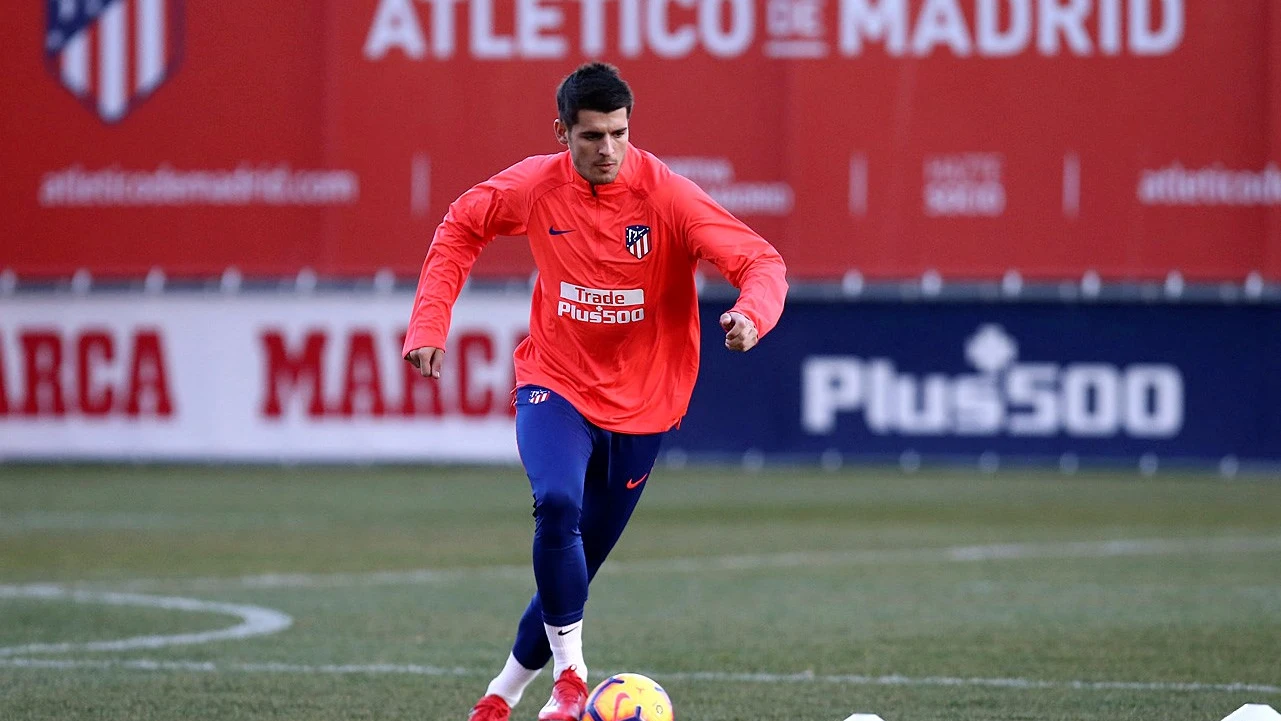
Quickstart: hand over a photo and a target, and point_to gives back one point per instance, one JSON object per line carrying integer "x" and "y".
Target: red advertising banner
{"x": 892, "y": 137}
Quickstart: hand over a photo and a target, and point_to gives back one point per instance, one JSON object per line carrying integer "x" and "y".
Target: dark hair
{"x": 593, "y": 86}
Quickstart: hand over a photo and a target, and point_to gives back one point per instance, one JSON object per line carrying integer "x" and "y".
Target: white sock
{"x": 510, "y": 684}
{"x": 567, "y": 648}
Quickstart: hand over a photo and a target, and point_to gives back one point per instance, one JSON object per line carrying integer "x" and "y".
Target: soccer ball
{"x": 628, "y": 697}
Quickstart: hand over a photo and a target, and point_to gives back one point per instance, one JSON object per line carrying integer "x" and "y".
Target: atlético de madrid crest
{"x": 637, "y": 238}
{"x": 113, "y": 54}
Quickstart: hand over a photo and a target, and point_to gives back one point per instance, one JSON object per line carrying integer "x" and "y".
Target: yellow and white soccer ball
{"x": 628, "y": 697}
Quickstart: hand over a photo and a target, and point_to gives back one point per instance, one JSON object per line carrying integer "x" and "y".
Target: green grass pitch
{"x": 788, "y": 594}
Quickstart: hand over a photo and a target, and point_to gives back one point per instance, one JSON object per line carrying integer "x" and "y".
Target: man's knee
{"x": 556, "y": 512}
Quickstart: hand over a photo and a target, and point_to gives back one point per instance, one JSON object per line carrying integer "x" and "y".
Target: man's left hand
{"x": 740, "y": 331}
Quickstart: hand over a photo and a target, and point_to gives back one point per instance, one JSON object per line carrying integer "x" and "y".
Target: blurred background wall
{"x": 1047, "y": 230}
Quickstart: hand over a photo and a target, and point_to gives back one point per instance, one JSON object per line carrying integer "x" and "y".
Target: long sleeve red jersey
{"x": 614, "y": 320}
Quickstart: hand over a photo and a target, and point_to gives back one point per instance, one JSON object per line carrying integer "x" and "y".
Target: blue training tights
{"x": 586, "y": 482}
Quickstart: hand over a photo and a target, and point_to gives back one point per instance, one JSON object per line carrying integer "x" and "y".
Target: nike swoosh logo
{"x": 566, "y": 632}
{"x": 633, "y": 484}
{"x": 552, "y": 229}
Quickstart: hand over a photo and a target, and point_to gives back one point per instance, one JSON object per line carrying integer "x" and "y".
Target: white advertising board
{"x": 254, "y": 377}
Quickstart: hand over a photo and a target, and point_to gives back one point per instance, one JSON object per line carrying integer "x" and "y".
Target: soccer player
{"x": 612, "y": 355}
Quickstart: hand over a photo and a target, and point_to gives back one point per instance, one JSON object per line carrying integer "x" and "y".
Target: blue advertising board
{"x": 1194, "y": 382}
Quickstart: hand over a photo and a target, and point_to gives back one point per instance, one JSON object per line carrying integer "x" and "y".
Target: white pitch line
{"x": 1108, "y": 549}
{"x": 255, "y": 620}
{"x": 1017, "y": 683}
{"x": 215, "y": 667}
{"x": 718, "y": 676}
{"x": 703, "y": 564}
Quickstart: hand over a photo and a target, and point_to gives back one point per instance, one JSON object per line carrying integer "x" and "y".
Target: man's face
{"x": 597, "y": 143}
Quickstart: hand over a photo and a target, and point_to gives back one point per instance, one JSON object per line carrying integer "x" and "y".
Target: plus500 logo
{"x": 1004, "y": 397}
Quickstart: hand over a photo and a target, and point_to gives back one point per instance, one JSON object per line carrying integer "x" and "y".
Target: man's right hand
{"x": 427, "y": 360}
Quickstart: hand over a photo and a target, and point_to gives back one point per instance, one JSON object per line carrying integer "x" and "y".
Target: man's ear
{"x": 562, "y": 132}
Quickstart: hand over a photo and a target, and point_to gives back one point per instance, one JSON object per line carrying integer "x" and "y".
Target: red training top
{"x": 614, "y": 321}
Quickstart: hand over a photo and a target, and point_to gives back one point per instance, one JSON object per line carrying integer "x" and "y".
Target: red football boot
{"x": 490, "y": 708}
{"x": 569, "y": 696}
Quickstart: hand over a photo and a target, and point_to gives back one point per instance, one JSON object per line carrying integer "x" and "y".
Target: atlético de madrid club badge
{"x": 113, "y": 54}
{"x": 638, "y": 240}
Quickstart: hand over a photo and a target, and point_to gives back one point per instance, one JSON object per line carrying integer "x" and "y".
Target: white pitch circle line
{"x": 255, "y": 620}
{"x": 702, "y": 564}
{"x": 717, "y": 676}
